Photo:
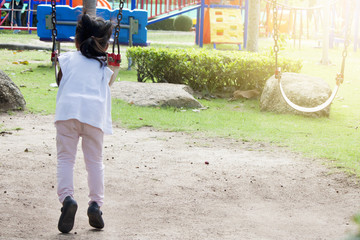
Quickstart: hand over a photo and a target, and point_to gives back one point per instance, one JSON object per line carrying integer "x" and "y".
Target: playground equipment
{"x": 339, "y": 77}
{"x": 223, "y": 21}
{"x": 30, "y": 9}
{"x": 160, "y": 8}
{"x": 99, "y": 3}
{"x": 157, "y": 10}
{"x": 300, "y": 22}
{"x": 340, "y": 21}
{"x": 27, "y": 8}
{"x": 133, "y": 23}
{"x": 226, "y": 26}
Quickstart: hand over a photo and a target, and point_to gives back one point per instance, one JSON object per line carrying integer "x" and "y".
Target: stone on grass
{"x": 155, "y": 94}
{"x": 303, "y": 90}
{"x": 10, "y": 95}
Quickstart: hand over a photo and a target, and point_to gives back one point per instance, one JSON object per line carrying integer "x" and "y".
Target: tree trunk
{"x": 253, "y": 28}
{"x": 326, "y": 35}
{"x": 90, "y": 7}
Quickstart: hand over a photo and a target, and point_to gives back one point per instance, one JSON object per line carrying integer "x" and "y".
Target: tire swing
{"x": 339, "y": 77}
{"x": 113, "y": 59}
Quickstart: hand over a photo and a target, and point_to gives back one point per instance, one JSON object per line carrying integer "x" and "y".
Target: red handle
{"x": 54, "y": 56}
{"x": 114, "y": 59}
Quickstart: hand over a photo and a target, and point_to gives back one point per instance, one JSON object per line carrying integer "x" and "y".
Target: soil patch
{"x": 158, "y": 186}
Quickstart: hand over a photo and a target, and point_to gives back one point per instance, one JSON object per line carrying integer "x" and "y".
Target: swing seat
{"x": 114, "y": 59}
{"x": 306, "y": 92}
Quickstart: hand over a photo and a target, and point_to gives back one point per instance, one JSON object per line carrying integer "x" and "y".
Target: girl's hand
{"x": 59, "y": 77}
{"x": 116, "y": 70}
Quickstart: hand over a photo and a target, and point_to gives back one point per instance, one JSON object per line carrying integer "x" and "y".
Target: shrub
{"x": 183, "y": 23}
{"x": 167, "y": 24}
{"x": 207, "y": 70}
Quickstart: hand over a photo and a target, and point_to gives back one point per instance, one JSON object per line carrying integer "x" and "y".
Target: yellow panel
{"x": 219, "y": 19}
{"x": 225, "y": 25}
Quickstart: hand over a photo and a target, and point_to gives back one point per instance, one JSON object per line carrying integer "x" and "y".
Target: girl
{"x": 83, "y": 109}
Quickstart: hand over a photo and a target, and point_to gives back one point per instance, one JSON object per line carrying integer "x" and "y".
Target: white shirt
{"x": 84, "y": 92}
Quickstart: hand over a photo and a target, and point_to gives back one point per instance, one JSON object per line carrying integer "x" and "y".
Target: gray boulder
{"x": 303, "y": 90}
{"x": 10, "y": 95}
{"x": 155, "y": 94}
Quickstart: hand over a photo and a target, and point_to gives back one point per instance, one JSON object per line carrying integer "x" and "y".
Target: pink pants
{"x": 67, "y": 137}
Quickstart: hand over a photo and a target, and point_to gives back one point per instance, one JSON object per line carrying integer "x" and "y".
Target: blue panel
{"x": 66, "y": 13}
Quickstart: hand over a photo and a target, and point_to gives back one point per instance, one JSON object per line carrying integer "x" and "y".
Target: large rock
{"x": 10, "y": 95}
{"x": 303, "y": 90}
{"x": 155, "y": 94}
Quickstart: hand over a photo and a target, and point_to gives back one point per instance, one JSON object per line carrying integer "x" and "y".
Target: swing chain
{"x": 117, "y": 27}
{"x": 54, "y": 53}
{"x": 115, "y": 59}
{"x": 340, "y": 76}
{"x": 276, "y": 38}
{"x": 54, "y": 30}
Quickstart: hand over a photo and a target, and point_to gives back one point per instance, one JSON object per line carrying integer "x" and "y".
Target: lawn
{"x": 335, "y": 139}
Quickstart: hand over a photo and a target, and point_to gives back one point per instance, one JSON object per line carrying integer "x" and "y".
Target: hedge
{"x": 207, "y": 70}
{"x": 166, "y": 25}
{"x": 183, "y": 23}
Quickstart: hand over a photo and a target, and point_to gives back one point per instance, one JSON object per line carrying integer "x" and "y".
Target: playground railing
{"x": 12, "y": 26}
{"x": 154, "y": 8}
{"x": 29, "y": 9}
{"x": 160, "y": 7}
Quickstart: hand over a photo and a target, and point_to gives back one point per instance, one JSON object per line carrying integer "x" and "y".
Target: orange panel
{"x": 77, "y": 3}
{"x": 206, "y": 36}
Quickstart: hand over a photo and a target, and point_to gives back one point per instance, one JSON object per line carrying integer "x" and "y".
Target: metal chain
{"x": 53, "y": 21}
{"x": 276, "y": 38}
{"x": 117, "y": 27}
{"x": 54, "y": 53}
{"x": 340, "y": 76}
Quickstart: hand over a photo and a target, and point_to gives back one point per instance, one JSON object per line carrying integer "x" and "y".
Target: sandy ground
{"x": 159, "y": 187}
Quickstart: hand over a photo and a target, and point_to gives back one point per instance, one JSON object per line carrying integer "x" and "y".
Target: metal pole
{"x": 202, "y": 9}
{"x": 133, "y": 4}
{"x": 30, "y": 15}
{"x": 246, "y": 22}
{"x": 12, "y": 14}
{"x": 197, "y": 30}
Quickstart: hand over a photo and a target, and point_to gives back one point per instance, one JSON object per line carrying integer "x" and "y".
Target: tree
{"x": 326, "y": 33}
{"x": 253, "y": 27}
{"x": 89, "y": 6}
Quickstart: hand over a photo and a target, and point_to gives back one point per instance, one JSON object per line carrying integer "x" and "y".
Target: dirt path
{"x": 159, "y": 187}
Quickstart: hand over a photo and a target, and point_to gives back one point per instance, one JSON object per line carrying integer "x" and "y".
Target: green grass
{"x": 33, "y": 79}
{"x": 322, "y": 138}
{"x": 22, "y": 37}
{"x": 171, "y": 36}
{"x": 335, "y": 139}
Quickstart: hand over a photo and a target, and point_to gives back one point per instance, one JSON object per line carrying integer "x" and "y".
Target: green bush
{"x": 207, "y": 70}
{"x": 183, "y": 23}
{"x": 167, "y": 25}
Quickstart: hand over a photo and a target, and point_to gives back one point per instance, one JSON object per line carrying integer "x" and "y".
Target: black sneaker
{"x": 67, "y": 217}
{"x": 94, "y": 214}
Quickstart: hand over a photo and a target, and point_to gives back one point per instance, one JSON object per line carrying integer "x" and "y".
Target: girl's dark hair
{"x": 92, "y": 35}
